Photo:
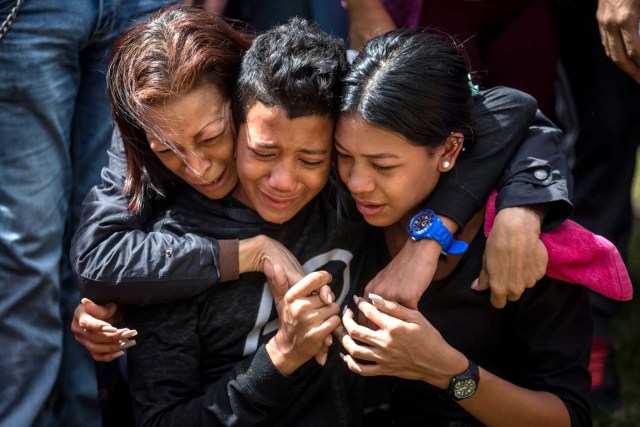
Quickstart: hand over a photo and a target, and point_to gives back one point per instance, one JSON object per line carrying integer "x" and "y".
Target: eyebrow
{"x": 370, "y": 156}
{"x": 271, "y": 146}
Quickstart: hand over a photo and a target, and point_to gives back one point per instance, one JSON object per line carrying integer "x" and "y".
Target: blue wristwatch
{"x": 426, "y": 225}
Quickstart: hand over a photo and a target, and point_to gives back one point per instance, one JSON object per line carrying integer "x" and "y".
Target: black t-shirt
{"x": 202, "y": 361}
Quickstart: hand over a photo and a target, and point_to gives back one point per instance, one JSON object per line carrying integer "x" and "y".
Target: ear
{"x": 451, "y": 149}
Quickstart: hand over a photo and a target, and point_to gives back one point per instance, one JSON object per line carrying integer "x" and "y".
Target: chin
{"x": 275, "y": 217}
{"x": 377, "y": 221}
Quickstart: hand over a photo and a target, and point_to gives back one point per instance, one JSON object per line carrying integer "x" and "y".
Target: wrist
{"x": 282, "y": 356}
{"x": 427, "y": 225}
{"x": 228, "y": 258}
{"x": 250, "y": 254}
{"x": 519, "y": 218}
{"x": 456, "y": 363}
{"x": 540, "y": 210}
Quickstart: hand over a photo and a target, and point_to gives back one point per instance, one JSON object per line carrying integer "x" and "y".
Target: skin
{"x": 283, "y": 163}
{"x": 195, "y": 140}
{"x": 378, "y": 178}
{"x": 367, "y": 19}
{"x": 380, "y": 164}
{"x": 619, "y": 25}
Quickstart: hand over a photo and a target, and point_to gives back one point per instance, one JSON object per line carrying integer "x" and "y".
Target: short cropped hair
{"x": 295, "y": 67}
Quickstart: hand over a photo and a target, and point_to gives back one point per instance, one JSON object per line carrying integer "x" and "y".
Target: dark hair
{"x": 161, "y": 58}
{"x": 295, "y": 67}
{"x": 412, "y": 83}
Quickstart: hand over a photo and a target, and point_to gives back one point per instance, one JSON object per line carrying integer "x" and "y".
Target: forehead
{"x": 186, "y": 114}
{"x": 271, "y": 126}
{"x": 356, "y": 134}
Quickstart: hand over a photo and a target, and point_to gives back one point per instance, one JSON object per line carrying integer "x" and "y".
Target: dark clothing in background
{"x": 509, "y": 43}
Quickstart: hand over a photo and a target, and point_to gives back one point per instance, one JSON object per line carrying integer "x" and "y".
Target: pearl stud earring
{"x": 446, "y": 164}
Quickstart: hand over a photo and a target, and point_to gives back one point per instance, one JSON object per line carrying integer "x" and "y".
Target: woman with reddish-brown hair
{"x": 178, "y": 52}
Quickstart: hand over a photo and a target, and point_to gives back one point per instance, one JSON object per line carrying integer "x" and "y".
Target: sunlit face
{"x": 282, "y": 163}
{"x": 192, "y": 135}
{"x": 387, "y": 176}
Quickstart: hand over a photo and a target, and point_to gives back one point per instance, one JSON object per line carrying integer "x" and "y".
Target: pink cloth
{"x": 577, "y": 255}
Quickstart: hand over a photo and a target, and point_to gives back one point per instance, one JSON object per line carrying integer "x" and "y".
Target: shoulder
{"x": 503, "y": 98}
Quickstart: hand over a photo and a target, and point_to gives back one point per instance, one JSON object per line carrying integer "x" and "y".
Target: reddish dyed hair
{"x": 160, "y": 59}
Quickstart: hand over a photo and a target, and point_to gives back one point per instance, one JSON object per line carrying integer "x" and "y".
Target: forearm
{"x": 500, "y": 403}
{"x": 117, "y": 261}
{"x": 367, "y": 19}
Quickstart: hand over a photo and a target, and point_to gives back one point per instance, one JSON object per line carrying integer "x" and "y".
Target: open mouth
{"x": 367, "y": 209}
{"x": 216, "y": 183}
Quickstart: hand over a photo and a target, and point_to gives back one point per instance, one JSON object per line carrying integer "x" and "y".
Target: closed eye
{"x": 311, "y": 163}
{"x": 263, "y": 156}
{"x": 383, "y": 168}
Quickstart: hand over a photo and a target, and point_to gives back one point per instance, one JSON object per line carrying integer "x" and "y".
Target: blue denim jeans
{"x": 55, "y": 127}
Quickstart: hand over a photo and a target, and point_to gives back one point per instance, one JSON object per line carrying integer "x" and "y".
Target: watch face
{"x": 421, "y": 221}
{"x": 464, "y": 388}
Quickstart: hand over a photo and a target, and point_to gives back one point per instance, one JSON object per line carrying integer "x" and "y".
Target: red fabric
{"x": 579, "y": 256}
{"x": 600, "y": 351}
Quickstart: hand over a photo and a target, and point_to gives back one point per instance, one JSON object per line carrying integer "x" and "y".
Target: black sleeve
{"x": 166, "y": 375}
{"x": 502, "y": 117}
{"x": 116, "y": 261}
{"x": 539, "y": 173}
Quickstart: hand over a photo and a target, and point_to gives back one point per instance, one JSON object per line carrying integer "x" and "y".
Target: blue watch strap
{"x": 456, "y": 247}
{"x": 426, "y": 225}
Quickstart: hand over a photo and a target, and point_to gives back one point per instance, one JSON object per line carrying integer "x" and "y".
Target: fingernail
{"x": 323, "y": 358}
{"x": 344, "y": 310}
{"x": 129, "y": 334}
{"x": 109, "y": 328}
{"x": 118, "y": 354}
{"x": 84, "y": 301}
{"x": 330, "y": 298}
{"x": 127, "y": 344}
{"x": 356, "y": 299}
{"x": 474, "y": 285}
{"x": 343, "y": 357}
{"x": 376, "y": 299}
{"x": 330, "y": 340}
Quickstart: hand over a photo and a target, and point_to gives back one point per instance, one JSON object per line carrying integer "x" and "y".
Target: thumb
{"x": 101, "y": 312}
{"x": 482, "y": 282}
{"x": 294, "y": 276}
{"x": 277, "y": 278}
{"x": 391, "y": 308}
{"x": 479, "y": 285}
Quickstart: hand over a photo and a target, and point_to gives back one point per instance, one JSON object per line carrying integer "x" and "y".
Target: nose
{"x": 196, "y": 164}
{"x": 283, "y": 176}
{"x": 358, "y": 181}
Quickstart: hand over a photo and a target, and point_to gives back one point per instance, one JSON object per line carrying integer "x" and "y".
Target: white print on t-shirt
{"x": 261, "y": 326}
